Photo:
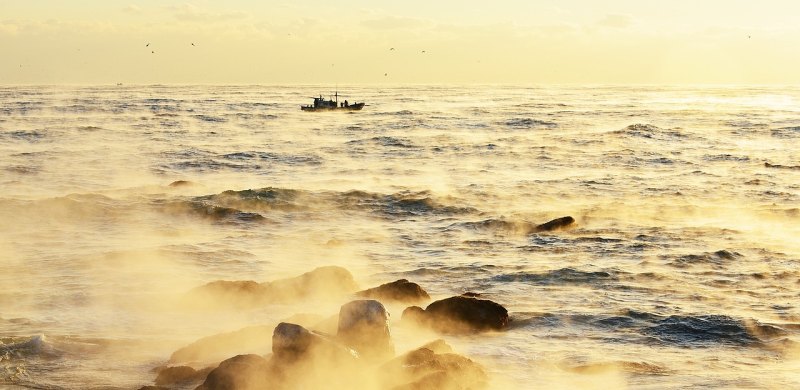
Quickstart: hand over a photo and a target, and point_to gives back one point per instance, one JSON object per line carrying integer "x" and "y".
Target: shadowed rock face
{"x": 364, "y": 326}
{"x": 323, "y": 282}
{"x": 400, "y": 290}
{"x": 459, "y": 314}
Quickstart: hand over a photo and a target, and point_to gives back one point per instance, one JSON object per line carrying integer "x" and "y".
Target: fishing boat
{"x": 320, "y": 104}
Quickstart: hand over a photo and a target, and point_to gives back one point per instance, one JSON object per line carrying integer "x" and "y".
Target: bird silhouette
{"x": 192, "y": 43}
{"x": 385, "y": 74}
{"x": 147, "y": 45}
{"x": 423, "y": 52}
{"x": 391, "y": 49}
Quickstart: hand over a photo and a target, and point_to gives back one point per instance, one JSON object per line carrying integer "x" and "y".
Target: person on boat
{"x": 345, "y": 104}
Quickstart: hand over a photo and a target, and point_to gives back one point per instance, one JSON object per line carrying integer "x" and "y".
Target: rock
{"x": 322, "y": 282}
{"x": 153, "y": 388}
{"x": 180, "y": 183}
{"x": 291, "y": 343}
{"x": 364, "y": 326}
{"x": 241, "y": 372}
{"x": 460, "y": 314}
{"x": 304, "y": 360}
{"x": 433, "y": 367}
{"x": 252, "y": 339}
{"x": 327, "y": 282}
{"x": 237, "y": 293}
{"x": 556, "y": 224}
{"x": 180, "y": 374}
{"x": 400, "y": 290}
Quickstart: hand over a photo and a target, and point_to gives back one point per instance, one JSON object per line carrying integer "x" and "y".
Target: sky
{"x": 409, "y": 41}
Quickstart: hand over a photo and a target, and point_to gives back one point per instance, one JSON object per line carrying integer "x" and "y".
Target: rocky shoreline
{"x": 360, "y": 354}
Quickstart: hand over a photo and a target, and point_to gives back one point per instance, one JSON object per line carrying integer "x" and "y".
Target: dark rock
{"x": 242, "y": 372}
{"x": 364, "y": 326}
{"x": 304, "y": 360}
{"x": 556, "y": 224}
{"x": 460, "y": 314}
{"x": 433, "y": 369}
{"x": 471, "y": 294}
{"x": 179, "y": 374}
{"x": 291, "y": 343}
{"x": 153, "y": 388}
{"x": 217, "y": 347}
{"x": 180, "y": 183}
{"x": 400, "y": 290}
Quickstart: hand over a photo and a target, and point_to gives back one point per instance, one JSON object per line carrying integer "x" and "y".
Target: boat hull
{"x": 352, "y": 107}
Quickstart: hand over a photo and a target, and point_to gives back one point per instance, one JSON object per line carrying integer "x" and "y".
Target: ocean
{"x": 682, "y": 269}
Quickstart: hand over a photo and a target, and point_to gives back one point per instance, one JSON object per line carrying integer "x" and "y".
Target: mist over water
{"x": 682, "y": 270}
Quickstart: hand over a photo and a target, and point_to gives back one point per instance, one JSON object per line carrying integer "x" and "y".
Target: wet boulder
{"x": 400, "y": 290}
{"x": 364, "y": 326}
{"x": 459, "y": 314}
{"x": 241, "y": 372}
{"x": 556, "y": 224}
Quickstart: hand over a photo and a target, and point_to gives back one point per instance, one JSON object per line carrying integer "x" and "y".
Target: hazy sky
{"x": 311, "y": 41}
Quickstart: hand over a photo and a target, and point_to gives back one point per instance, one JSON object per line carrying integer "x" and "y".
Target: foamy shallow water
{"x": 682, "y": 270}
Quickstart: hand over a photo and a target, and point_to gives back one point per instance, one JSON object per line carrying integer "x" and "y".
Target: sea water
{"x": 681, "y": 271}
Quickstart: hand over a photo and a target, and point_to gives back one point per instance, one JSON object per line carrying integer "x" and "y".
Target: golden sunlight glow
{"x": 507, "y": 41}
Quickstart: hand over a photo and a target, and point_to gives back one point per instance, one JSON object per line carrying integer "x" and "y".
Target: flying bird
{"x": 192, "y": 43}
{"x": 148, "y": 44}
{"x": 385, "y": 74}
{"x": 423, "y": 52}
{"x": 391, "y": 48}
{"x": 153, "y": 52}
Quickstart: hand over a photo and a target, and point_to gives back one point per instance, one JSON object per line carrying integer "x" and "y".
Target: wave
{"x": 32, "y": 136}
{"x": 384, "y": 141}
{"x": 648, "y": 131}
{"x": 786, "y": 132}
{"x": 211, "y": 212}
{"x": 563, "y": 276}
{"x": 716, "y": 259}
{"x": 709, "y": 330}
{"x": 684, "y": 331}
{"x": 528, "y": 123}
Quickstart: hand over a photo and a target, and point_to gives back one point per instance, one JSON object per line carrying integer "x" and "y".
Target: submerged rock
{"x": 400, "y": 290}
{"x": 322, "y": 282}
{"x": 459, "y": 314}
{"x": 556, "y": 224}
{"x": 364, "y": 326}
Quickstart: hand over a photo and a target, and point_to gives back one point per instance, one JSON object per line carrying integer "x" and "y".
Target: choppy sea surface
{"x": 682, "y": 270}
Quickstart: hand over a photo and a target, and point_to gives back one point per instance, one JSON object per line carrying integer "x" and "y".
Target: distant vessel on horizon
{"x": 320, "y": 104}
